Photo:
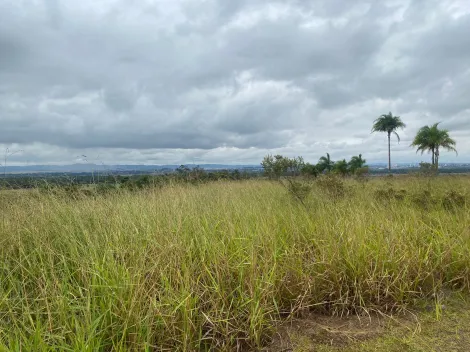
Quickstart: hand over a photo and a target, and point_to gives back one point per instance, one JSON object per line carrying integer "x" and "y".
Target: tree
{"x": 183, "y": 170}
{"x": 268, "y": 165}
{"x": 389, "y": 124}
{"x": 275, "y": 166}
{"x": 356, "y": 163}
{"x": 325, "y": 163}
{"x": 431, "y": 138}
{"x": 341, "y": 167}
{"x": 295, "y": 165}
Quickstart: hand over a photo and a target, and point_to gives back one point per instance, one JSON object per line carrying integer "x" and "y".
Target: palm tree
{"x": 356, "y": 162}
{"x": 325, "y": 163}
{"x": 423, "y": 143}
{"x": 388, "y": 123}
{"x": 341, "y": 167}
{"x": 431, "y": 138}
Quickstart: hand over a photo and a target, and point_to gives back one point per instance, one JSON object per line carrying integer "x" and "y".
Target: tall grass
{"x": 214, "y": 267}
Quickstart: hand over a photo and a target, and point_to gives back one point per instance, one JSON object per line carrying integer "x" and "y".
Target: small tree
{"x": 275, "y": 166}
{"x": 183, "y": 170}
{"x": 268, "y": 166}
{"x": 197, "y": 173}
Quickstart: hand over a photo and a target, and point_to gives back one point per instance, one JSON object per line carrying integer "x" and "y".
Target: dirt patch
{"x": 316, "y": 329}
{"x": 438, "y": 327}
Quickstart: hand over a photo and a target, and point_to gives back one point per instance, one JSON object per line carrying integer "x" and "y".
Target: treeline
{"x": 276, "y": 166}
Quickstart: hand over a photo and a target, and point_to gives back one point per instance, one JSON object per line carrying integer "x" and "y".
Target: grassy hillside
{"x": 216, "y": 266}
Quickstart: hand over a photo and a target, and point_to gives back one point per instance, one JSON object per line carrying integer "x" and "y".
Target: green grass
{"x": 216, "y": 266}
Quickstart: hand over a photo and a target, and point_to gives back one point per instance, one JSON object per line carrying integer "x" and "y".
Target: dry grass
{"x": 214, "y": 267}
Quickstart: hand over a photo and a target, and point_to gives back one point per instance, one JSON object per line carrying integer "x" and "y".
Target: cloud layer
{"x": 168, "y": 81}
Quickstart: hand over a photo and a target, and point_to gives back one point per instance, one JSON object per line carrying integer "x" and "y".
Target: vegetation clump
{"x": 453, "y": 200}
{"x": 423, "y": 199}
{"x": 332, "y": 186}
{"x": 389, "y": 193}
{"x": 299, "y": 190}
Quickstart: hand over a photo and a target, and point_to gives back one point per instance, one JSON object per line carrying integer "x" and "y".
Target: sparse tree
{"x": 389, "y": 124}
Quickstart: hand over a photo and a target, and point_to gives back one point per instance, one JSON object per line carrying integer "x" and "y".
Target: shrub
{"x": 423, "y": 199}
{"x": 298, "y": 190}
{"x": 362, "y": 174}
{"x": 453, "y": 200}
{"x": 389, "y": 193}
{"x": 309, "y": 170}
{"x": 332, "y": 185}
{"x": 427, "y": 169}
{"x": 104, "y": 188}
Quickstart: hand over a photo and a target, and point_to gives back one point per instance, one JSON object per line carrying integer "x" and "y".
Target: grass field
{"x": 218, "y": 266}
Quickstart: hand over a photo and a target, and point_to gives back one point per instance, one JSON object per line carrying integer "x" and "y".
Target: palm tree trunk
{"x": 437, "y": 158}
{"x": 433, "y": 157}
{"x": 389, "y": 157}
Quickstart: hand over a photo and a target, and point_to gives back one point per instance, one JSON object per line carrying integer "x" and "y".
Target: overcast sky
{"x": 229, "y": 81}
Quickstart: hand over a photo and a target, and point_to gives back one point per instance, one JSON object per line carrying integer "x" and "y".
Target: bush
{"x": 105, "y": 188}
{"x": 453, "y": 200}
{"x": 389, "y": 193}
{"x": 309, "y": 170}
{"x": 427, "y": 169}
{"x": 362, "y": 174}
{"x": 332, "y": 185}
{"x": 423, "y": 199}
{"x": 298, "y": 190}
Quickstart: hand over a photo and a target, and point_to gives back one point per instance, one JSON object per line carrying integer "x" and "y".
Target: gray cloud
{"x": 229, "y": 81}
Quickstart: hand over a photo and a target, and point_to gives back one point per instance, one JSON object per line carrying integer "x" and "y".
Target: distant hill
{"x": 87, "y": 168}
{"x": 129, "y": 169}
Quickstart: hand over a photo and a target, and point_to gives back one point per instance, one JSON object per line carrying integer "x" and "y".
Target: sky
{"x": 229, "y": 81}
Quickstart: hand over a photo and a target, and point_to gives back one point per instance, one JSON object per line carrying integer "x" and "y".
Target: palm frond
{"x": 397, "y": 135}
